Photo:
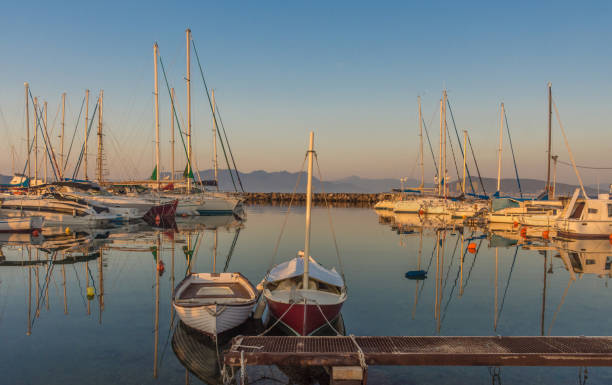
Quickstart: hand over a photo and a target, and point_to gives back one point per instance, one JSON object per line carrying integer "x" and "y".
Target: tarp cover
{"x": 504, "y": 203}
{"x": 295, "y": 268}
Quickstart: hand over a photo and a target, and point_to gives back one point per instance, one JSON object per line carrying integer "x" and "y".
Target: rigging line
{"x": 212, "y": 109}
{"x": 280, "y": 235}
{"x": 569, "y": 150}
{"x": 228, "y": 147}
{"x": 507, "y": 284}
{"x": 77, "y": 166}
{"x": 331, "y": 225}
{"x": 585, "y": 167}
{"x": 450, "y": 265}
{"x": 178, "y": 123}
{"x": 476, "y": 164}
{"x": 231, "y": 250}
{"x": 453, "y": 153}
{"x": 74, "y": 133}
{"x": 433, "y": 156}
{"x": 433, "y": 251}
{"x": 467, "y": 169}
{"x": 467, "y": 279}
{"x": 450, "y": 296}
{"x": 46, "y": 141}
{"x": 518, "y": 180}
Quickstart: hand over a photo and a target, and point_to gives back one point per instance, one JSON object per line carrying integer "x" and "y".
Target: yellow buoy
{"x": 67, "y": 230}
{"x": 90, "y": 292}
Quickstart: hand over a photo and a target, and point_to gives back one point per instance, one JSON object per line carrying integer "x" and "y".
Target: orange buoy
{"x": 421, "y": 212}
{"x": 161, "y": 267}
{"x": 610, "y": 238}
{"x": 524, "y": 232}
{"x": 35, "y": 232}
{"x": 157, "y": 219}
{"x": 472, "y": 247}
{"x": 515, "y": 224}
{"x": 545, "y": 234}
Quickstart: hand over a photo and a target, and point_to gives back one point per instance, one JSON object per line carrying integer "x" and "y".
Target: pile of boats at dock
{"x": 568, "y": 217}
{"x": 85, "y": 203}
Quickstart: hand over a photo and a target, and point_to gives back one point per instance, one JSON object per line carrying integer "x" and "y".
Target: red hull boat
{"x": 303, "y": 319}
{"x": 161, "y": 213}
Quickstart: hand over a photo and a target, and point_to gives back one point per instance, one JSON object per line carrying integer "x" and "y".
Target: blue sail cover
{"x": 503, "y": 203}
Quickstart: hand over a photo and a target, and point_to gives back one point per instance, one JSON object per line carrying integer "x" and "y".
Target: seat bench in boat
{"x": 214, "y": 290}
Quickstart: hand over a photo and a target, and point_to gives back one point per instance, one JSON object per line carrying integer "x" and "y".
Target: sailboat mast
{"x": 62, "y": 140}
{"x": 444, "y": 135}
{"x": 464, "y": 159}
{"x": 156, "y": 117}
{"x": 45, "y": 125}
{"x": 308, "y": 209}
{"x": 440, "y": 176}
{"x": 499, "y": 151}
{"x": 421, "y": 145}
{"x": 172, "y": 129}
{"x": 27, "y": 119}
{"x": 86, "y": 127}
{"x": 36, "y": 140}
{"x": 99, "y": 160}
{"x": 215, "y": 159}
{"x": 188, "y": 80}
{"x": 548, "y": 153}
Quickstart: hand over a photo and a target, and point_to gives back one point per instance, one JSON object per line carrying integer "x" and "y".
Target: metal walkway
{"x": 410, "y": 351}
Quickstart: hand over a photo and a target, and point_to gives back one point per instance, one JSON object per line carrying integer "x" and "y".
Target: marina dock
{"x": 339, "y": 351}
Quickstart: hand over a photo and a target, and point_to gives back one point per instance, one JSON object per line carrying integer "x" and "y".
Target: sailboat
{"x": 302, "y": 294}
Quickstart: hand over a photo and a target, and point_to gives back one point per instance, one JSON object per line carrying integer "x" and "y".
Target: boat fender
{"x": 610, "y": 238}
{"x": 91, "y": 292}
{"x": 472, "y": 248}
{"x": 35, "y": 232}
{"x": 161, "y": 268}
{"x": 67, "y": 231}
{"x": 545, "y": 234}
{"x": 259, "y": 308}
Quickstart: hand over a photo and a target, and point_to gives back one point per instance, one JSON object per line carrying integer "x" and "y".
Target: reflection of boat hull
{"x": 584, "y": 229}
{"x": 21, "y": 224}
{"x": 162, "y": 212}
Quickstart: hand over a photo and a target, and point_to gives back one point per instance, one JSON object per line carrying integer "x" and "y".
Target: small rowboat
{"x": 214, "y": 302}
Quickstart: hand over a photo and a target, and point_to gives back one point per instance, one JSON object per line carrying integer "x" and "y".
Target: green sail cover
{"x": 503, "y": 203}
{"x": 154, "y": 175}
{"x": 186, "y": 174}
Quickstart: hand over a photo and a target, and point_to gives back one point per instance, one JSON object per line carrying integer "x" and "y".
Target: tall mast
{"x": 421, "y": 145}
{"x": 172, "y": 129}
{"x": 499, "y": 150}
{"x": 27, "y": 119}
{"x": 155, "y": 52}
{"x": 464, "y": 160}
{"x": 36, "y": 140}
{"x": 45, "y": 126}
{"x": 99, "y": 159}
{"x": 188, "y": 79}
{"x": 308, "y": 209}
{"x": 61, "y": 170}
{"x": 215, "y": 159}
{"x": 548, "y": 153}
{"x": 444, "y": 135}
{"x": 86, "y": 127}
{"x": 440, "y": 172}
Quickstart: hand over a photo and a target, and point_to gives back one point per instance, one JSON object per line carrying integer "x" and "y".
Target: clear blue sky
{"x": 349, "y": 70}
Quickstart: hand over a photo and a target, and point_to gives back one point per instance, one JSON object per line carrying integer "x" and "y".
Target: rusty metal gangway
{"x": 344, "y": 351}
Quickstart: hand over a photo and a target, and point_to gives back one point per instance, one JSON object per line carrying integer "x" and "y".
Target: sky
{"x": 349, "y": 70}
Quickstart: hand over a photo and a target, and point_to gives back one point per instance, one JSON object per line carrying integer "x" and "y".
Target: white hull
{"x": 203, "y": 318}
{"x": 55, "y": 211}
{"x": 205, "y": 205}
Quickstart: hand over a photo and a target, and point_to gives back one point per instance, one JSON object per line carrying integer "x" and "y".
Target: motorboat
{"x": 587, "y": 218}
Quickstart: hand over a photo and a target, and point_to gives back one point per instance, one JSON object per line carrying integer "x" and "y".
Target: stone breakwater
{"x": 318, "y": 198}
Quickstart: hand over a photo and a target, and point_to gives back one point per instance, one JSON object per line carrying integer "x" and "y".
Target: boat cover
{"x": 295, "y": 268}
{"x": 503, "y": 203}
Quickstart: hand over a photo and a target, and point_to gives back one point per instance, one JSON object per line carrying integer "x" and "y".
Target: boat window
{"x": 590, "y": 261}
{"x": 609, "y": 210}
{"x": 577, "y": 210}
{"x": 592, "y": 211}
{"x": 608, "y": 263}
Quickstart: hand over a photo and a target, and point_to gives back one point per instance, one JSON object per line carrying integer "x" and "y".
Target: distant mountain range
{"x": 284, "y": 181}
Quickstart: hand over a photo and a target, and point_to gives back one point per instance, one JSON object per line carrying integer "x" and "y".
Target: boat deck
{"x": 412, "y": 351}
{"x": 209, "y": 290}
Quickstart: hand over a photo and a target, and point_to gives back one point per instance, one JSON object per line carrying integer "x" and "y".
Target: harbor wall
{"x": 350, "y": 198}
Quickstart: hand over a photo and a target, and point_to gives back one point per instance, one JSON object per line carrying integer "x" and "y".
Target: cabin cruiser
{"x": 527, "y": 212}
{"x": 206, "y": 204}
{"x": 586, "y": 218}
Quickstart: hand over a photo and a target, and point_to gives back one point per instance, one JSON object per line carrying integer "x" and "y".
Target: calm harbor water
{"x": 51, "y": 332}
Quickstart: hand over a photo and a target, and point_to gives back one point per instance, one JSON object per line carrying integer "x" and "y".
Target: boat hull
{"x": 21, "y": 225}
{"x": 303, "y": 319}
{"x": 214, "y": 319}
